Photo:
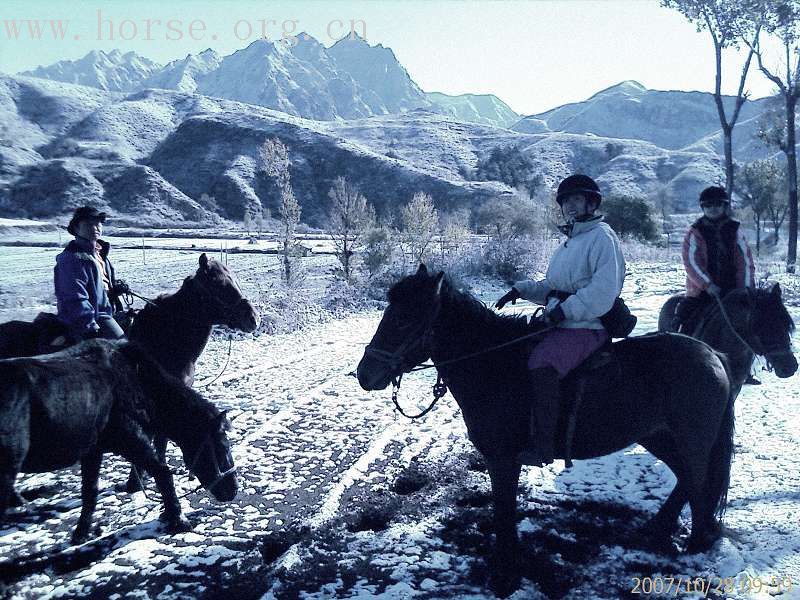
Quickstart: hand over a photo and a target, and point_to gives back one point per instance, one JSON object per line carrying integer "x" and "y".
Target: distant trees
{"x": 510, "y": 222}
{"x": 350, "y": 217}
{"x": 728, "y": 22}
{"x": 508, "y": 217}
{"x": 781, "y": 19}
{"x": 419, "y": 222}
{"x": 630, "y": 216}
{"x": 509, "y": 165}
{"x": 759, "y": 186}
{"x": 274, "y": 160}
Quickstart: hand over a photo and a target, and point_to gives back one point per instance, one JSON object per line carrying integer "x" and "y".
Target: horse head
{"x": 221, "y": 297}
{"x": 208, "y": 457}
{"x": 401, "y": 340}
{"x": 771, "y": 329}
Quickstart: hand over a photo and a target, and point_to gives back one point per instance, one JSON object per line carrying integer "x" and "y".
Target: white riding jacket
{"x": 589, "y": 264}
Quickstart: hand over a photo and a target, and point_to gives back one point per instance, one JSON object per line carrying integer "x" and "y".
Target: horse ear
{"x": 203, "y": 261}
{"x": 422, "y": 271}
{"x": 776, "y": 290}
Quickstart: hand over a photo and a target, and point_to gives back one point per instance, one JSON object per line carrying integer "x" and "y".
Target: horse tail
{"x": 719, "y": 467}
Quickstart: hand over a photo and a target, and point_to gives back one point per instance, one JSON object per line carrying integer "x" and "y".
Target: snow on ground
{"x": 341, "y": 497}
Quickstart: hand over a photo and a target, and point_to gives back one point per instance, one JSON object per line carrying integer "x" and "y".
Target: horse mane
{"x": 770, "y": 307}
{"x": 175, "y": 400}
{"x": 478, "y": 320}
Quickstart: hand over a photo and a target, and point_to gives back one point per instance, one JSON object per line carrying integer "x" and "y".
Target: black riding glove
{"x": 555, "y": 316}
{"x": 511, "y": 296}
{"x": 120, "y": 287}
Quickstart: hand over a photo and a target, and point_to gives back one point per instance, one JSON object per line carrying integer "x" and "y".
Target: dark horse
{"x": 758, "y": 322}
{"x": 173, "y": 328}
{"x": 671, "y": 395}
{"x": 102, "y": 396}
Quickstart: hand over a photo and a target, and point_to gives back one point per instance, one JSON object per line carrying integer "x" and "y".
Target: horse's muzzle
{"x": 784, "y": 363}
{"x": 245, "y": 317}
{"x": 372, "y": 376}
{"x": 225, "y": 487}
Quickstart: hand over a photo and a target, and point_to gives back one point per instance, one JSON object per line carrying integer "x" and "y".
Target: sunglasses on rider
{"x": 712, "y": 204}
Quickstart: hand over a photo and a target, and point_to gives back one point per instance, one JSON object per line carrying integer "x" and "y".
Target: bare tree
{"x": 782, "y": 20}
{"x": 275, "y": 162}
{"x": 727, "y": 22}
{"x": 510, "y": 217}
{"x": 663, "y": 201}
{"x": 453, "y": 231}
{"x": 758, "y": 186}
{"x": 419, "y": 221}
{"x": 349, "y": 217}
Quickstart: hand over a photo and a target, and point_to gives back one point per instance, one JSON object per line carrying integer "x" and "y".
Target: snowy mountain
{"x": 376, "y": 68}
{"x": 349, "y": 80}
{"x": 112, "y": 71}
{"x": 190, "y": 157}
{"x": 628, "y": 110}
{"x": 475, "y": 108}
{"x": 183, "y": 75}
{"x": 302, "y": 80}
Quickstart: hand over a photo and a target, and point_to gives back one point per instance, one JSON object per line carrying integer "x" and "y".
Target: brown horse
{"x": 173, "y": 328}
{"x": 106, "y": 396}
{"x": 755, "y": 320}
{"x": 670, "y": 393}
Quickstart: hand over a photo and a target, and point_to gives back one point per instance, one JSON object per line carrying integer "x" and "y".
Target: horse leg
{"x": 665, "y": 522}
{"x": 160, "y": 443}
{"x": 7, "y": 493}
{"x": 90, "y": 474}
{"x": 137, "y": 477}
{"x": 132, "y": 444}
{"x": 504, "y": 563}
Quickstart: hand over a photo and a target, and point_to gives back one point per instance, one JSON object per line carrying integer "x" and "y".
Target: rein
{"x": 205, "y": 296}
{"x": 396, "y": 360}
{"x": 763, "y": 351}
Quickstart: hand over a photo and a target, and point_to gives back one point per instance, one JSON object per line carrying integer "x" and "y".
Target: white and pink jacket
{"x": 717, "y": 252}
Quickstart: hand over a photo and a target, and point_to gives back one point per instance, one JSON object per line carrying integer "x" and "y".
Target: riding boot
{"x": 544, "y": 417}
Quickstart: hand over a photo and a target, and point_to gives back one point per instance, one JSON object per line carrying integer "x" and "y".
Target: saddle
{"x": 599, "y": 371}
{"x": 51, "y": 334}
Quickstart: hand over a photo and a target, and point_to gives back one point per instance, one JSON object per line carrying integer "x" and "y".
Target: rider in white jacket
{"x": 583, "y": 279}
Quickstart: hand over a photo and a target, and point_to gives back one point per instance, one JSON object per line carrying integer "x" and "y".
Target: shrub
{"x": 630, "y": 216}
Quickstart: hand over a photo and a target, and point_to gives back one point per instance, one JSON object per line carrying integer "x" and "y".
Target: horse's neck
{"x": 177, "y": 332}
{"x": 461, "y": 328}
{"x": 717, "y": 333}
{"x": 176, "y": 412}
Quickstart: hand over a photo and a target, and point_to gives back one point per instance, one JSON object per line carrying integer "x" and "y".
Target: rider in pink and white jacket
{"x": 716, "y": 256}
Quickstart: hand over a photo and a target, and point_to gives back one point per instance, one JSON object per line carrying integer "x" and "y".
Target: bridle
{"x": 207, "y": 297}
{"x": 207, "y": 442}
{"x": 396, "y": 362}
{"x": 755, "y": 346}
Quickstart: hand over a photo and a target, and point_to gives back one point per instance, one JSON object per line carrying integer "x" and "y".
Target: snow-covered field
{"x": 341, "y": 497}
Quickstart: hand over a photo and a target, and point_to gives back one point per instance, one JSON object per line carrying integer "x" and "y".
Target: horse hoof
{"x": 179, "y": 524}
{"x": 701, "y": 542}
{"x": 504, "y": 584}
{"x": 504, "y": 575}
{"x": 16, "y": 500}
{"x": 79, "y": 537}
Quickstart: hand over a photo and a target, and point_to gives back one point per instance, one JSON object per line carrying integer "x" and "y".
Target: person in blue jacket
{"x": 86, "y": 289}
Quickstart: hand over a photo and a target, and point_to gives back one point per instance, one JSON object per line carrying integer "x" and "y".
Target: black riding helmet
{"x": 579, "y": 184}
{"x": 714, "y": 193}
{"x": 85, "y": 213}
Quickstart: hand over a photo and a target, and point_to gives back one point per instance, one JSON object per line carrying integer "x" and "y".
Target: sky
{"x": 533, "y": 54}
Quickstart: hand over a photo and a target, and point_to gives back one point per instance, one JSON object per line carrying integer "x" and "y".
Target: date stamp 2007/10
{"x": 709, "y": 584}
